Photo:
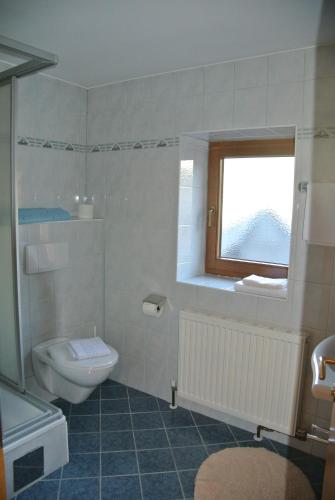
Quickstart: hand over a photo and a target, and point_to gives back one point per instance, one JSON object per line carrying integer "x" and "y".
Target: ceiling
{"x": 103, "y": 41}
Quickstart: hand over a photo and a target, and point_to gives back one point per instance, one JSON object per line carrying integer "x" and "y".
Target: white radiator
{"x": 247, "y": 371}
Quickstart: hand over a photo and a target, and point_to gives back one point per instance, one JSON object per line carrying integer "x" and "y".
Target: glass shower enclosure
{"x": 29, "y": 426}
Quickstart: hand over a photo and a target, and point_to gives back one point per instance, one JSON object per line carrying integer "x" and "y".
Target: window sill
{"x": 209, "y": 281}
{"x": 223, "y": 283}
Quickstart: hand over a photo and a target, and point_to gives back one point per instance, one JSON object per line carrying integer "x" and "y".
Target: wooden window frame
{"x": 214, "y": 264}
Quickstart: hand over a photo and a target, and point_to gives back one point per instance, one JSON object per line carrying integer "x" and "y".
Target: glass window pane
{"x": 257, "y": 200}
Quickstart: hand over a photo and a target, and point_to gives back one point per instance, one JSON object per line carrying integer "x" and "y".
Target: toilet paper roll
{"x": 152, "y": 309}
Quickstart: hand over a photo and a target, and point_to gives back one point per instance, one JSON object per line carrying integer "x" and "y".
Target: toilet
{"x": 68, "y": 378}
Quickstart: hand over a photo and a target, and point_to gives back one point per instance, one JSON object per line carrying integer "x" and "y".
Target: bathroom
{"x": 117, "y": 133}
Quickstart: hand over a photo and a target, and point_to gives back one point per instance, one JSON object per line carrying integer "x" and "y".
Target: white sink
{"x": 323, "y": 369}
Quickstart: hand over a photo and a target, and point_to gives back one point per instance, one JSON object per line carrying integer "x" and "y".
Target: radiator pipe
{"x": 260, "y": 428}
{"x": 173, "y": 405}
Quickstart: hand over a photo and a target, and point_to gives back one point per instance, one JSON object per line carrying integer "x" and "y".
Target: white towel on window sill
{"x": 262, "y": 282}
{"x": 280, "y": 293}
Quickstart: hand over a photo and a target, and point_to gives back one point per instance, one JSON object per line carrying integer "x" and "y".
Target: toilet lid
{"x": 61, "y": 355}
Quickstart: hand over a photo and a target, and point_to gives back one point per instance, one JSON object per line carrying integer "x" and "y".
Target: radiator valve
{"x": 173, "y": 405}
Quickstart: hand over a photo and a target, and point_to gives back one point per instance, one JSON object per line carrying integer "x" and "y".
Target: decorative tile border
{"x": 316, "y": 133}
{"x": 49, "y": 144}
{"x": 112, "y": 146}
{"x": 302, "y": 133}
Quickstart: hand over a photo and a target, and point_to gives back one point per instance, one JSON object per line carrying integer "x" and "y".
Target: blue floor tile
{"x": 187, "y": 479}
{"x": 84, "y": 424}
{"x": 164, "y": 439}
{"x": 84, "y": 442}
{"x": 162, "y": 486}
{"x": 53, "y": 475}
{"x": 265, "y": 443}
{"x": 288, "y": 451}
{"x": 241, "y": 434}
{"x": 43, "y": 490}
{"x": 118, "y": 463}
{"x": 214, "y": 448}
{"x": 204, "y": 420}
{"x": 77, "y": 489}
{"x": 114, "y": 406}
{"x": 155, "y": 460}
{"x": 86, "y": 408}
{"x": 184, "y": 436}
{"x": 113, "y": 392}
{"x": 63, "y": 405}
{"x": 121, "y": 422}
{"x": 312, "y": 467}
{"x": 82, "y": 465}
{"x": 151, "y": 439}
{"x": 111, "y": 382}
{"x": 212, "y": 434}
{"x": 120, "y": 488}
{"x": 165, "y": 405}
{"x": 190, "y": 457}
{"x": 135, "y": 393}
{"x": 138, "y": 405}
{"x": 95, "y": 394}
{"x": 177, "y": 419}
{"x": 117, "y": 441}
{"x": 317, "y": 488}
{"x": 147, "y": 420}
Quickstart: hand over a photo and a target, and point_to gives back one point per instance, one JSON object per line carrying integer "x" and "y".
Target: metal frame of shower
{"x": 36, "y": 60}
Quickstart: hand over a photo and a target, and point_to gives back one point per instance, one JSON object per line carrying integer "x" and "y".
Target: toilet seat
{"x": 77, "y": 370}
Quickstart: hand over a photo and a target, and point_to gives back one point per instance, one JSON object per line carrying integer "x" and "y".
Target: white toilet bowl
{"x": 70, "y": 379}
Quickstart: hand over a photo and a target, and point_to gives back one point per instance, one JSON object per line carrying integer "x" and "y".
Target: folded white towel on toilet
{"x": 88, "y": 348}
{"x": 262, "y": 282}
{"x": 280, "y": 293}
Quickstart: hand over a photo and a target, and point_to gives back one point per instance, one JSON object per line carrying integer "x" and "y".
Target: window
{"x": 250, "y": 201}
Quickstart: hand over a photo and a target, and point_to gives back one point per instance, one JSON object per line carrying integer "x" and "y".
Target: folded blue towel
{"x": 31, "y": 215}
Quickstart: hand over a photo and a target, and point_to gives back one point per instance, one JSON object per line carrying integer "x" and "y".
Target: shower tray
{"x": 30, "y": 425}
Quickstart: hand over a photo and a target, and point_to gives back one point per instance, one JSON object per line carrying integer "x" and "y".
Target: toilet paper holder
{"x": 156, "y": 302}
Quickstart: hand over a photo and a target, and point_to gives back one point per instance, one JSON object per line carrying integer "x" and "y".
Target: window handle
{"x": 210, "y": 213}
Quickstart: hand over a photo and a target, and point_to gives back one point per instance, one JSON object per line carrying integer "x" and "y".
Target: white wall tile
{"x": 250, "y": 107}
{"x": 138, "y": 91}
{"x": 219, "y": 78}
{"x": 285, "y": 104}
{"x": 275, "y": 312}
{"x": 163, "y": 118}
{"x": 189, "y": 114}
{"x": 190, "y": 82}
{"x": 313, "y": 263}
{"x": 251, "y": 72}
{"x": 320, "y": 62}
{"x": 185, "y": 206}
{"x": 286, "y": 67}
{"x": 164, "y": 87}
{"x": 218, "y": 111}
{"x": 311, "y": 304}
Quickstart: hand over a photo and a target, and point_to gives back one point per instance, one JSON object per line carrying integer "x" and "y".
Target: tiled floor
{"x": 127, "y": 445}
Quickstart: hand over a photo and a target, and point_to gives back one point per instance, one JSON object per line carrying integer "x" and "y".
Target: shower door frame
{"x": 11, "y": 81}
{"x": 36, "y": 60}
